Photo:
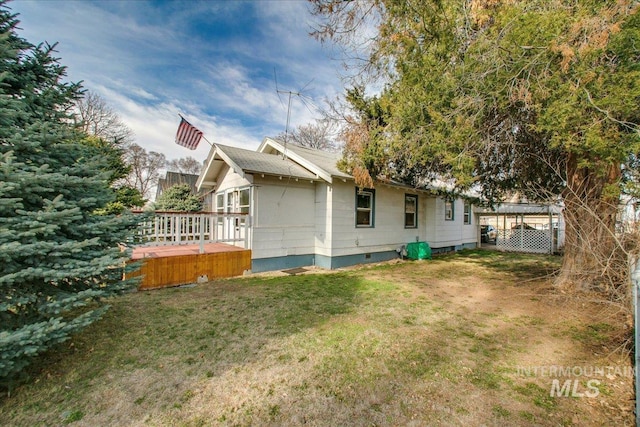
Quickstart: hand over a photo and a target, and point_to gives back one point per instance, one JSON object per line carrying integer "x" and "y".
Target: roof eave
{"x": 281, "y": 175}
{"x": 216, "y": 151}
{"x": 315, "y": 169}
{"x": 233, "y": 165}
{"x": 205, "y": 170}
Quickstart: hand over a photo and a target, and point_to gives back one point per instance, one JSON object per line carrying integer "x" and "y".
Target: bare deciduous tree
{"x": 320, "y": 135}
{"x": 145, "y": 168}
{"x": 96, "y": 118}
{"x": 185, "y": 165}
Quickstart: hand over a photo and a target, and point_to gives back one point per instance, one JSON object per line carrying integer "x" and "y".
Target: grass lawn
{"x": 474, "y": 338}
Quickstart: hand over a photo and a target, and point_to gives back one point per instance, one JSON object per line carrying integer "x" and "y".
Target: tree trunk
{"x": 593, "y": 258}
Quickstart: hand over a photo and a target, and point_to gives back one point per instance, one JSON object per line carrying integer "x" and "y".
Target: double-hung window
{"x": 220, "y": 206}
{"x": 220, "y": 203}
{"x": 244, "y": 203}
{"x": 448, "y": 210}
{"x": 237, "y": 202}
{"x": 410, "y": 211}
{"x": 467, "y": 213}
{"x": 365, "y": 205}
{"x": 230, "y": 202}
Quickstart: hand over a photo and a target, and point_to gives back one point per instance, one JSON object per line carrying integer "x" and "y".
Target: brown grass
{"x": 442, "y": 342}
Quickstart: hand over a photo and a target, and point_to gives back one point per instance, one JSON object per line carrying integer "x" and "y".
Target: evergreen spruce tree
{"x": 178, "y": 198}
{"x": 59, "y": 258}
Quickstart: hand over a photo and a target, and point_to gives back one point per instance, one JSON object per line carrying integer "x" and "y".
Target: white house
{"x": 302, "y": 210}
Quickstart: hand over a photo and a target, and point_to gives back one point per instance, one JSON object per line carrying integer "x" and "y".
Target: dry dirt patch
{"x": 461, "y": 340}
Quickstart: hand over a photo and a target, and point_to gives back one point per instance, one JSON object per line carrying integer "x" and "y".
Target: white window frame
{"x": 407, "y": 210}
{"x": 220, "y": 198}
{"x": 370, "y": 209}
{"x": 232, "y": 199}
{"x": 244, "y": 208}
{"x": 467, "y": 213}
{"x": 230, "y": 202}
{"x": 449, "y": 210}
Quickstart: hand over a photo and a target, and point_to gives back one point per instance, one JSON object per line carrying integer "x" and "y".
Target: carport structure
{"x": 525, "y": 227}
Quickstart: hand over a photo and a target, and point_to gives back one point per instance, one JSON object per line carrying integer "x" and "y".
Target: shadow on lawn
{"x": 191, "y": 332}
{"x": 519, "y": 265}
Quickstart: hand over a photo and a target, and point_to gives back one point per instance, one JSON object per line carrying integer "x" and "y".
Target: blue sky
{"x": 211, "y": 61}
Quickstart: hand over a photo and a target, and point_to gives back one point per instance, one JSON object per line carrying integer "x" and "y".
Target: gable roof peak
{"x": 322, "y": 163}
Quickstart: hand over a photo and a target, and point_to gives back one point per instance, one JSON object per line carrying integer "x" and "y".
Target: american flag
{"x": 188, "y": 135}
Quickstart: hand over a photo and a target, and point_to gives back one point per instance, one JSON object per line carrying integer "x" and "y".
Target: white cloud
{"x": 150, "y": 64}
{"x": 155, "y": 126}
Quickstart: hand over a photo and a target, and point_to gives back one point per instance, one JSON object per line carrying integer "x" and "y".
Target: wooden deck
{"x": 165, "y": 266}
{"x": 177, "y": 250}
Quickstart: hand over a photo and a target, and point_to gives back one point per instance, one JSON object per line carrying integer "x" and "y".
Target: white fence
{"x": 185, "y": 228}
{"x": 526, "y": 240}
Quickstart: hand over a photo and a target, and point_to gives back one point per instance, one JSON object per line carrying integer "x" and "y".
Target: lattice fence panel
{"x": 532, "y": 241}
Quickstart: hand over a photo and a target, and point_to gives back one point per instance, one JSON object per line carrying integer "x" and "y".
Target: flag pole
{"x": 189, "y": 136}
{"x": 205, "y": 138}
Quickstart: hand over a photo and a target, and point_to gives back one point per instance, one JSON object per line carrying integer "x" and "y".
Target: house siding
{"x": 455, "y": 233}
{"x": 323, "y": 237}
{"x": 284, "y": 217}
{"x": 298, "y": 222}
{"x": 231, "y": 181}
{"x": 388, "y": 232}
{"x": 337, "y": 242}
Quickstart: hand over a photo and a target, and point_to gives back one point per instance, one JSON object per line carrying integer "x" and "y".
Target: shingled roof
{"x": 273, "y": 159}
{"x": 175, "y": 178}
{"x": 322, "y": 163}
{"x": 325, "y": 160}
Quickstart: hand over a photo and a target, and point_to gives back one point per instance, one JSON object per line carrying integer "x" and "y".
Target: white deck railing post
{"x": 173, "y": 228}
{"x": 201, "y": 233}
{"x": 178, "y": 235}
{"x": 246, "y": 232}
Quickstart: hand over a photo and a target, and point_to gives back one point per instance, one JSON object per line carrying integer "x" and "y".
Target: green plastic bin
{"x": 418, "y": 250}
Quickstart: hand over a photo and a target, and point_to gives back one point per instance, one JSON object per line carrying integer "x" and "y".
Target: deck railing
{"x": 189, "y": 228}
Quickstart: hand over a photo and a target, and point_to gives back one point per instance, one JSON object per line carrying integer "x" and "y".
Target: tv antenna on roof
{"x": 291, "y": 94}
